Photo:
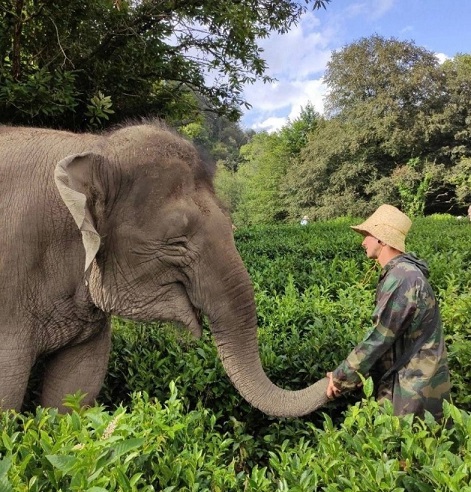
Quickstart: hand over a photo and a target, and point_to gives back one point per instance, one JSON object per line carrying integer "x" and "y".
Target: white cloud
{"x": 289, "y": 97}
{"x": 270, "y": 124}
{"x": 297, "y": 60}
{"x": 380, "y": 7}
{"x": 442, "y": 57}
{"x": 300, "y": 52}
{"x": 371, "y": 10}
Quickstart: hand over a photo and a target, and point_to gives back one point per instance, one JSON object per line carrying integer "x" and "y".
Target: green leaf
{"x": 368, "y": 387}
{"x": 63, "y": 463}
{"x": 124, "y": 447}
{"x": 5, "y": 485}
{"x": 5, "y": 465}
{"x": 7, "y": 441}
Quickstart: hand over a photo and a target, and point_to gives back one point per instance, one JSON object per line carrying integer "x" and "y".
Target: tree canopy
{"x": 255, "y": 191}
{"x": 396, "y": 128}
{"x": 78, "y": 64}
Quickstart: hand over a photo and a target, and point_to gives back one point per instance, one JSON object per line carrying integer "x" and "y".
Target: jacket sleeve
{"x": 394, "y": 312}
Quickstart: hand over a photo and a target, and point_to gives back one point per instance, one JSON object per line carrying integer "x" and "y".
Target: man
{"x": 405, "y": 352}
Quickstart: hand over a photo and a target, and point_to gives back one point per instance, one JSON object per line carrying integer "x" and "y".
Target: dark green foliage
{"x": 149, "y": 357}
{"x": 161, "y": 447}
{"x": 397, "y": 125}
{"x": 148, "y": 57}
{"x": 153, "y": 447}
{"x": 265, "y": 161}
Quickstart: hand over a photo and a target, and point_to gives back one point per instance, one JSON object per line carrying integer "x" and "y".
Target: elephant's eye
{"x": 175, "y": 246}
{"x": 178, "y": 241}
{"x": 176, "y": 251}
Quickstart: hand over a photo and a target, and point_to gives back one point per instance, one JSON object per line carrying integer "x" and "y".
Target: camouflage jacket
{"x": 405, "y": 305}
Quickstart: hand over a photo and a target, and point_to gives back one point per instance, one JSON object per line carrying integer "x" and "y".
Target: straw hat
{"x": 389, "y": 225}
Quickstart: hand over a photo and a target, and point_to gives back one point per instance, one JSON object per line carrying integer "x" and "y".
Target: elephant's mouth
{"x": 196, "y": 324}
{"x": 190, "y": 316}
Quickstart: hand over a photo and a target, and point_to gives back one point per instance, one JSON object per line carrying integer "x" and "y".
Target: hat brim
{"x": 398, "y": 245}
{"x": 360, "y": 230}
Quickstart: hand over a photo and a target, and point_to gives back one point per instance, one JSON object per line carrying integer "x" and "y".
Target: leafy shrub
{"x": 151, "y": 357}
{"x": 374, "y": 450}
{"x": 314, "y": 292}
{"x": 150, "y": 447}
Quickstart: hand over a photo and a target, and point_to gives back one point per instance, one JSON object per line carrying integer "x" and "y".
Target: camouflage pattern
{"x": 405, "y": 304}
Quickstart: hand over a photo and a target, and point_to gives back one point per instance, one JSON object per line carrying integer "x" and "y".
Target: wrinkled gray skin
{"x": 126, "y": 224}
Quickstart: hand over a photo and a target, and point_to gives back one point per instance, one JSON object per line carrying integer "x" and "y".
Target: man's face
{"x": 372, "y": 247}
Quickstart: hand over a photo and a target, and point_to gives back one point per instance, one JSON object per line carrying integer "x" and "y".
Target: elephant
{"x": 126, "y": 223}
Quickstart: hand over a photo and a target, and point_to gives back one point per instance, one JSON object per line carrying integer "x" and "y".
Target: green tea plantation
{"x": 168, "y": 418}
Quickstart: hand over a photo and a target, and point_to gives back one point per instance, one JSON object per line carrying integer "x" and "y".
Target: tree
{"x": 389, "y": 104}
{"x": 453, "y": 122}
{"x": 460, "y": 178}
{"x": 399, "y": 74}
{"x": 149, "y": 57}
{"x": 266, "y": 160}
{"x": 228, "y": 187}
{"x": 226, "y": 139}
{"x": 296, "y": 132}
{"x": 331, "y": 174}
{"x": 391, "y": 88}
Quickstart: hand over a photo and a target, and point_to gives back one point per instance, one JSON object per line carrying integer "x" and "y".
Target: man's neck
{"x": 386, "y": 255}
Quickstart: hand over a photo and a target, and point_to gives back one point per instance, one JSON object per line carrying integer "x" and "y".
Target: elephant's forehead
{"x": 146, "y": 142}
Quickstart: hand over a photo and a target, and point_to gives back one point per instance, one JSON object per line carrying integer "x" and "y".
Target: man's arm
{"x": 392, "y": 315}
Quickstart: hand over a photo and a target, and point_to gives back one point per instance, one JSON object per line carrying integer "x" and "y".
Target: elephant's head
{"x": 159, "y": 246}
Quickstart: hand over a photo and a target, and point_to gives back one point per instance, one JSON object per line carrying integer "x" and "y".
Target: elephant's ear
{"x": 71, "y": 175}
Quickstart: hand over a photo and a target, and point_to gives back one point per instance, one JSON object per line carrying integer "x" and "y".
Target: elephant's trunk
{"x": 249, "y": 378}
{"x": 234, "y": 327}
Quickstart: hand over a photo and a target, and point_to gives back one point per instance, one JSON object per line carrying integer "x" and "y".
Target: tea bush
{"x": 170, "y": 419}
{"x": 152, "y": 446}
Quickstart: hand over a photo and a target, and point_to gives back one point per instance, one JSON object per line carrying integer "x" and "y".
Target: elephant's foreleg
{"x": 16, "y": 360}
{"x": 82, "y": 367}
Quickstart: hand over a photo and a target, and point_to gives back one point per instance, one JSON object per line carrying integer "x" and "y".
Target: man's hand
{"x": 332, "y": 391}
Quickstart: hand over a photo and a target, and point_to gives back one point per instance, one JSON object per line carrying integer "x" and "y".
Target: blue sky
{"x": 298, "y": 59}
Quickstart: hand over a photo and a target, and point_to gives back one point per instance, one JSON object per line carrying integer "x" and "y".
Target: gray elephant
{"x": 125, "y": 223}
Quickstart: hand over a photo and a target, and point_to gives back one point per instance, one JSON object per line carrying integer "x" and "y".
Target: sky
{"x": 298, "y": 59}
